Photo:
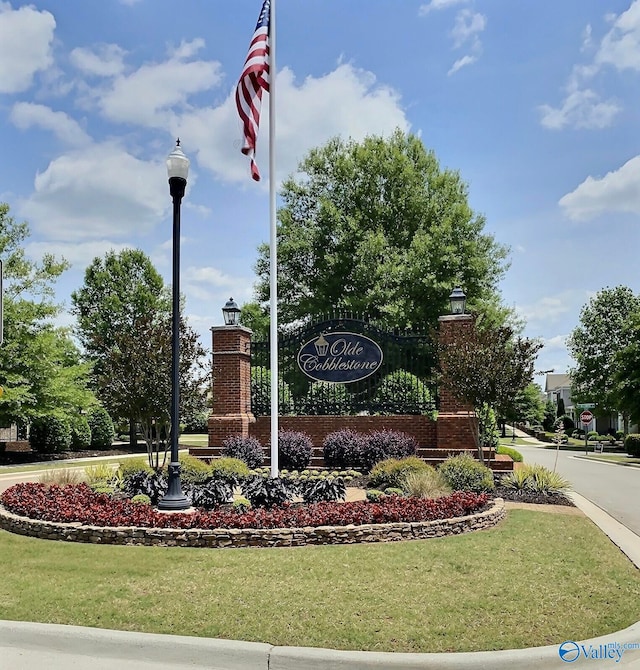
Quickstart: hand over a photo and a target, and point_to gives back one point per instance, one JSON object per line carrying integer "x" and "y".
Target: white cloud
{"x": 215, "y": 286}
{"x": 97, "y": 191}
{"x": 547, "y": 309}
{"x": 558, "y": 342}
{"x": 347, "y": 102}
{"x": 438, "y": 4}
{"x": 468, "y": 25}
{"x": 620, "y": 47}
{"x": 580, "y": 109}
{"x": 149, "y": 95}
{"x": 582, "y": 106}
{"x": 26, "y": 35}
{"x": 461, "y": 62}
{"x": 79, "y": 254}
{"x": 617, "y": 191}
{"x": 24, "y": 115}
{"x": 103, "y": 60}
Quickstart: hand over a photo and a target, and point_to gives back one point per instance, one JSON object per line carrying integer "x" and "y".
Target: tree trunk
{"x": 133, "y": 438}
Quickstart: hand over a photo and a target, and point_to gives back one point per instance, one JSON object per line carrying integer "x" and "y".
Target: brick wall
{"x": 318, "y": 427}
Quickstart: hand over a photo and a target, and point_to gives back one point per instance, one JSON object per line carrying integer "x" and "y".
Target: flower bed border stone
{"x": 219, "y": 538}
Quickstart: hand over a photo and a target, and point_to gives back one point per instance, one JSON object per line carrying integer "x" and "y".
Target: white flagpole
{"x": 273, "y": 255}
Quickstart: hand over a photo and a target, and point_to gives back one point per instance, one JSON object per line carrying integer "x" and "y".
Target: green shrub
{"x": 392, "y": 472}
{"x": 535, "y": 479}
{"x": 102, "y": 431}
{"x": 131, "y": 466}
{"x": 101, "y": 472}
{"x": 141, "y": 499}
{"x": 241, "y": 505}
{"x": 102, "y": 487}
{"x": 632, "y": 444}
{"x": 567, "y": 421}
{"x": 230, "y": 469}
{"x": 592, "y": 435}
{"x": 464, "y": 473}
{"x": 510, "y": 451}
{"x": 425, "y": 484}
{"x": 619, "y": 435}
{"x": 193, "y": 470}
{"x": 261, "y": 393}
{"x": 50, "y": 434}
{"x": 80, "y": 433}
{"x": 391, "y": 491}
{"x": 374, "y": 495}
{"x": 401, "y": 392}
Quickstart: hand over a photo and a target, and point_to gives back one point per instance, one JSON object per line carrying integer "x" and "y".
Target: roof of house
{"x": 557, "y": 381}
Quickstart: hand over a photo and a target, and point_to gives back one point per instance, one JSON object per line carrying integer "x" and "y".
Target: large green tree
{"x": 627, "y": 371}
{"x": 124, "y": 324}
{"x": 378, "y": 227}
{"x": 120, "y": 290}
{"x": 40, "y": 368}
{"x": 594, "y": 344}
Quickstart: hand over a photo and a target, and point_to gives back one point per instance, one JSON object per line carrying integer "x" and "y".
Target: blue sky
{"x": 534, "y": 103}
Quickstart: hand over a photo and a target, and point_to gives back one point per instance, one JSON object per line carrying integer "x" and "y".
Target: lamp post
{"x": 457, "y": 301}
{"x": 178, "y": 171}
{"x": 231, "y": 313}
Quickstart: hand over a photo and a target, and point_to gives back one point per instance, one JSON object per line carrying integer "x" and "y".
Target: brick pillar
{"x": 231, "y": 384}
{"x": 455, "y": 425}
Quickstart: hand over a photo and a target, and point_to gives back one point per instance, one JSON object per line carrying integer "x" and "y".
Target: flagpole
{"x": 273, "y": 244}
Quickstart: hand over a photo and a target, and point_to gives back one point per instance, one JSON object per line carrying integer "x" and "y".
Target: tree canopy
{"x": 124, "y": 323}
{"x": 40, "y": 368}
{"x": 487, "y": 368}
{"x": 594, "y": 344}
{"x": 627, "y": 370}
{"x": 377, "y": 227}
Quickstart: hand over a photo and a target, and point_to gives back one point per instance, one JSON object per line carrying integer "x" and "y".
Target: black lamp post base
{"x": 174, "y": 500}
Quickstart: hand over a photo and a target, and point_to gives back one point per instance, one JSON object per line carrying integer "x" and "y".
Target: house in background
{"x": 559, "y": 386}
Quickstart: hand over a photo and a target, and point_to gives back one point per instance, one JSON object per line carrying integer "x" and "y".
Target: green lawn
{"x": 536, "y": 579}
{"x": 613, "y": 458}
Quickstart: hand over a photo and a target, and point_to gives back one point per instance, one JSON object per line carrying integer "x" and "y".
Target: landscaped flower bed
{"x": 77, "y": 503}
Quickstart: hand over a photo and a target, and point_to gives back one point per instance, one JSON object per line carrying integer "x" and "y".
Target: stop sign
{"x": 586, "y": 416}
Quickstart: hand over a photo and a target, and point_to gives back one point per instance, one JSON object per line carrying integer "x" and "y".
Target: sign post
{"x": 586, "y": 418}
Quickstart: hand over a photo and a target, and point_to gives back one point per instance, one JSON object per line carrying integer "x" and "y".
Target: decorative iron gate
{"x": 400, "y": 379}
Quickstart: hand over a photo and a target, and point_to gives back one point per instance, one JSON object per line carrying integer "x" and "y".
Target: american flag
{"x": 253, "y": 80}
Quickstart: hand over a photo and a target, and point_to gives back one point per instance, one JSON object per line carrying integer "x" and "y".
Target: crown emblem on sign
{"x": 321, "y": 345}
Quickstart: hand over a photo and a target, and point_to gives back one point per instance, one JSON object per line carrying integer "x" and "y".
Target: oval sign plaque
{"x": 339, "y": 357}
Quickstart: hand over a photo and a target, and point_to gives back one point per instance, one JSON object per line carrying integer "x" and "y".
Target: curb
{"x": 74, "y": 643}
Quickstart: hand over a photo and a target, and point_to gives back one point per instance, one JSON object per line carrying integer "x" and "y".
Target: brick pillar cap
{"x": 229, "y": 329}
{"x": 456, "y": 317}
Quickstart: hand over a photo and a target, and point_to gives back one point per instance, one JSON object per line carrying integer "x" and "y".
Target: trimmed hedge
{"x": 102, "y": 430}
{"x": 632, "y": 444}
{"x": 50, "y": 434}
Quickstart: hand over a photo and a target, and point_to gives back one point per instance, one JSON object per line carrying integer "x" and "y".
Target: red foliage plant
{"x": 77, "y": 503}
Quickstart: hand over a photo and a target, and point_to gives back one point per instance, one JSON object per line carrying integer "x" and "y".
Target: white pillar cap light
{"x": 177, "y": 163}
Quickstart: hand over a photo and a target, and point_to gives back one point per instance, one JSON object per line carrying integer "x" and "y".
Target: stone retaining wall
{"x": 251, "y": 537}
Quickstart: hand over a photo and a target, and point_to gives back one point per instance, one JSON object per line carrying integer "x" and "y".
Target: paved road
{"x": 614, "y": 488}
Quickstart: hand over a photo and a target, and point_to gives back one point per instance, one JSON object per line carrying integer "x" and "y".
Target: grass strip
{"x": 536, "y": 579}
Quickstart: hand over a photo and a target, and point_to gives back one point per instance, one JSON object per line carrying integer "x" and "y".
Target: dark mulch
{"x": 536, "y": 498}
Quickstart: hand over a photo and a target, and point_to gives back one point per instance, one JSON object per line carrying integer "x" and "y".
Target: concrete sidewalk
{"x": 25, "y": 646}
